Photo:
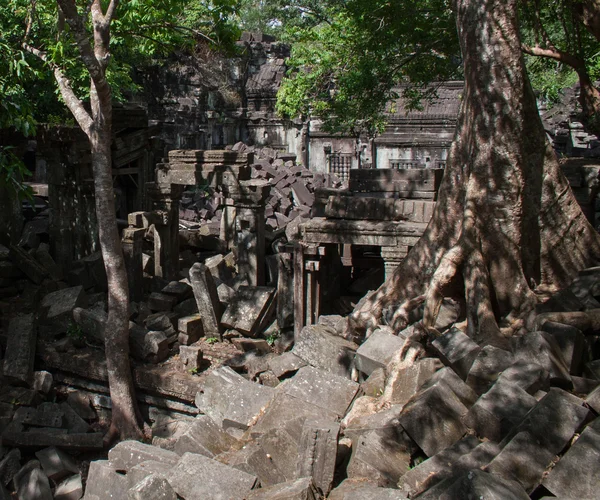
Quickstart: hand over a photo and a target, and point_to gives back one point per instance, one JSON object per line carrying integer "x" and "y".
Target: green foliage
{"x": 272, "y": 338}
{"x": 348, "y": 61}
{"x": 75, "y": 332}
{"x": 212, "y": 340}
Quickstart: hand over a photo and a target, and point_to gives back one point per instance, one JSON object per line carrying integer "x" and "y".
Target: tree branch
{"x": 556, "y": 54}
{"x": 74, "y": 104}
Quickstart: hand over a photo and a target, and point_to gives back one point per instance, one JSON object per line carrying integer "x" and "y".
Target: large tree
{"x": 506, "y": 225}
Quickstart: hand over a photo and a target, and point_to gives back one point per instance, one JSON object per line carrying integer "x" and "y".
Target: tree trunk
{"x": 589, "y": 98}
{"x": 506, "y": 224}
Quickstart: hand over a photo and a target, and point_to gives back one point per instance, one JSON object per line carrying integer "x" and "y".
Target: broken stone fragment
{"x": 404, "y": 383}
{"x": 207, "y": 299}
{"x": 190, "y": 329}
{"x": 91, "y": 321}
{"x": 147, "y": 346}
{"x": 104, "y": 481}
{"x": 190, "y": 358}
{"x": 56, "y": 463}
{"x": 297, "y": 489}
{"x": 127, "y": 454}
{"x": 486, "y": 368}
{"x": 152, "y": 488}
{"x": 377, "y": 351}
{"x": 205, "y": 437}
{"x": 161, "y": 301}
{"x": 58, "y": 308}
{"x": 20, "y": 350}
{"x": 70, "y": 489}
{"x": 42, "y": 381}
{"x": 250, "y": 309}
{"x": 34, "y": 485}
{"x": 457, "y": 351}
{"x": 285, "y": 364}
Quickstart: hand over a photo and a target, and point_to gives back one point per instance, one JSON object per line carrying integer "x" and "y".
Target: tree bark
{"x": 506, "y": 224}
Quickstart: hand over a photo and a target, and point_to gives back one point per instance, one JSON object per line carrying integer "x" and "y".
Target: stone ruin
{"x": 244, "y": 375}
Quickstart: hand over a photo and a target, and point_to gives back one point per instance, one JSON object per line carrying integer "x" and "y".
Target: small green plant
{"x": 212, "y": 340}
{"x": 272, "y": 338}
{"x": 74, "y": 331}
{"x": 193, "y": 371}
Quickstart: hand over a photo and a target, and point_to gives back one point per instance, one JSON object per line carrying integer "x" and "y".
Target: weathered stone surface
{"x": 28, "y": 265}
{"x": 457, "y": 351}
{"x": 145, "y": 469}
{"x": 9, "y": 466}
{"x": 205, "y": 437}
{"x": 152, "y": 488}
{"x": 104, "y": 482}
{"x": 317, "y": 452}
{"x": 91, "y": 321}
{"x": 70, "y": 489}
{"x": 190, "y": 358}
{"x": 231, "y": 400}
{"x": 196, "y": 477}
{"x": 274, "y": 460}
{"x": 45, "y": 415}
{"x": 42, "y": 381}
{"x": 72, "y": 421}
{"x": 377, "y": 351}
{"x": 544, "y": 432}
{"x": 374, "y": 493}
{"x": 149, "y": 346}
{"x": 576, "y": 474}
{"x": 161, "y": 301}
{"x": 323, "y": 389}
{"x": 542, "y": 348}
{"x": 42, "y": 438}
{"x": 321, "y": 348}
{"x": 375, "y": 384}
{"x": 81, "y": 405}
{"x": 20, "y": 349}
{"x": 433, "y": 418}
{"x": 59, "y": 307}
{"x": 571, "y": 343}
{"x": 448, "y": 377}
{"x": 486, "y": 368}
{"x": 298, "y": 489}
{"x": 190, "y": 329}
{"x": 207, "y": 299}
{"x": 127, "y": 454}
{"x": 405, "y": 383}
{"x": 178, "y": 289}
{"x": 34, "y": 486}
{"x": 248, "y": 345}
{"x": 432, "y": 470}
{"x": 56, "y": 463}
{"x": 247, "y": 311}
{"x": 529, "y": 376}
{"x": 479, "y": 484}
{"x": 593, "y": 399}
{"x": 285, "y": 364}
{"x": 497, "y": 411}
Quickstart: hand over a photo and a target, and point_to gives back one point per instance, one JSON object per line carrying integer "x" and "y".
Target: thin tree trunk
{"x": 506, "y": 220}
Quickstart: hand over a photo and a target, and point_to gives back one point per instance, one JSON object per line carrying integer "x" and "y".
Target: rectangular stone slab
{"x": 20, "y": 349}
{"x": 247, "y": 308}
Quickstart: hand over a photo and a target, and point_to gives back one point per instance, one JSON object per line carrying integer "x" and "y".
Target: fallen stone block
{"x": 486, "y": 368}
{"x": 377, "y": 351}
{"x": 286, "y": 364}
{"x": 70, "y": 489}
{"x": 571, "y": 343}
{"x": 9, "y": 466}
{"x": 190, "y": 329}
{"x": 317, "y": 452}
{"x": 20, "y": 350}
{"x": 298, "y": 489}
{"x": 575, "y": 475}
{"x": 231, "y": 400}
{"x": 249, "y": 345}
{"x": 583, "y": 386}
{"x": 433, "y": 418}
{"x": 45, "y": 415}
{"x": 375, "y": 384}
{"x": 529, "y": 376}
{"x": 42, "y": 381}
{"x": 58, "y": 307}
{"x": 91, "y": 321}
{"x": 436, "y": 468}
{"x": 56, "y": 463}
{"x": 27, "y": 264}
{"x": 448, "y": 377}
{"x": 321, "y": 348}
{"x": 497, "y": 411}
{"x": 148, "y": 346}
{"x": 35, "y": 486}
{"x": 205, "y": 437}
{"x": 593, "y": 399}
{"x": 374, "y": 493}
{"x": 148, "y": 468}
{"x": 196, "y": 477}
{"x": 178, "y": 289}
{"x": 207, "y": 299}
{"x": 81, "y": 405}
{"x": 161, "y": 301}
{"x": 105, "y": 482}
{"x": 479, "y": 484}
{"x": 544, "y": 432}
{"x": 457, "y": 351}
{"x": 250, "y": 309}
{"x": 152, "y": 488}
{"x": 541, "y": 348}
{"x": 190, "y": 358}
{"x": 323, "y": 389}
{"x": 42, "y": 438}
{"x": 127, "y": 454}
{"x": 274, "y": 460}
{"x": 405, "y": 383}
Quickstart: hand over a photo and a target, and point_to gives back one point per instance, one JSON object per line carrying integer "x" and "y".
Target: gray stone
{"x": 226, "y": 294}
{"x": 544, "y": 432}
{"x": 323, "y": 389}
{"x": 42, "y": 438}
{"x": 571, "y": 343}
{"x": 190, "y": 329}
{"x": 207, "y": 299}
{"x": 249, "y": 309}
{"x": 321, "y": 348}
{"x": 196, "y": 477}
{"x": 219, "y": 267}
{"x": 72, "y": 421}
{"x": 45, "y": 415}
{"x": 374, "y": 493}
{"x": 484, "y": 486}
{"x": 249, "y": 345}
{"x": 529, "y": 376}
{"x": 405, "y": 383}
{"x": 542, "y": 348}
{"x": 42, "y": 381}
{"x": 188, "y": 307}
{"x": 448, "y": 377}
{"x": 144, "y": 469}
{"x": 377, "y": 351}
{"x": 56, "y": 463}
{"x": 497, "y": 411}
{"x": 178, "y": 289}
{"x": 317, "y": 452}
{"x": 20, "y": 350}
{"x": 433, "y": 418}
{"x": 127, "y": 454}
{"x": 9, "y": 466}
{"x": 436, "y": 468}
{"x": 161, "y": 301}
{"x": 152, "y": 347}
{"x": 104, "y": 482}
{"x": 81, "y": 405}
{"x": 34, "y": 486}
{"x": 158, "y": 322}
{"x": 486, "y": 368}
{"x": 190, "y": 358}
{"x": 298, "y": 489}
{"x": 231, "y": 400}
{"x": 593, "y": 399}
{"x": 152, "y": 488}
{"x": 24, "y": 471}
{"x": 205, "y": 437}
{"x": 375, "y": 384}
{"x": 285, "y": 364}
{"x": 583, "y": 386}
{"x": 457, "y": 351}
{"x": 274, "y": 460}
{"x": 70, "y": 489}
{"x": 91, "y": 321}
{"x": 28, "y": 265}
{"x": 59, "y": 305}
{"x": 576, "y": 474}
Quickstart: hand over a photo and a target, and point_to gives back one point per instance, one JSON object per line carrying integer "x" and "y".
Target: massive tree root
{"x": 506, "y": 224}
